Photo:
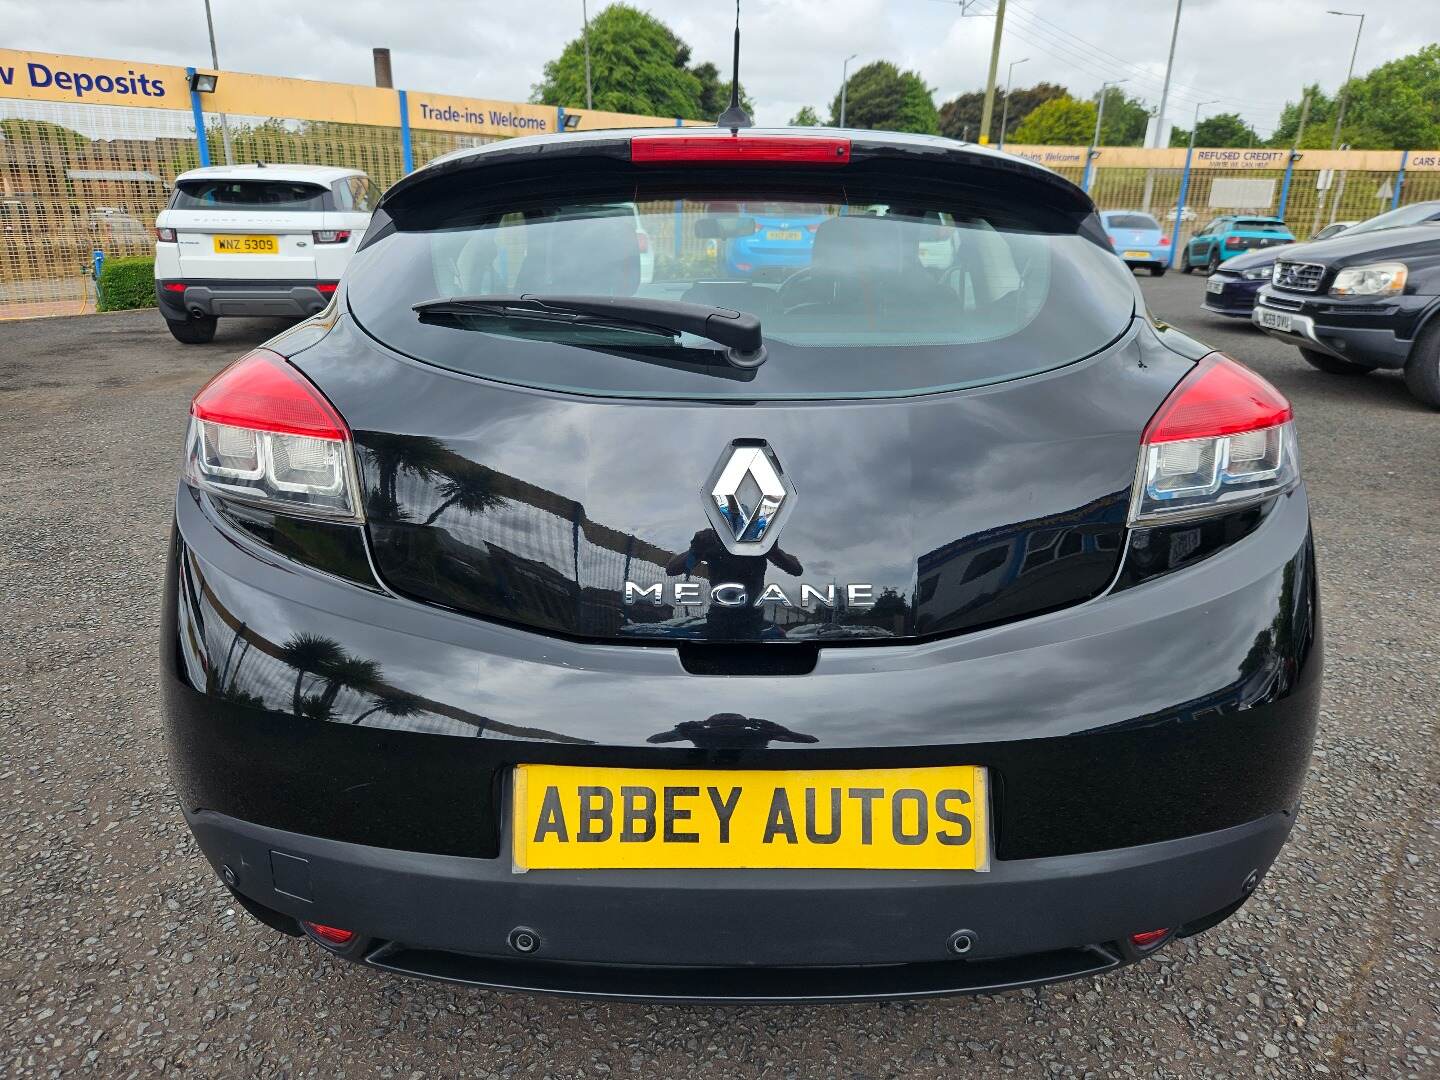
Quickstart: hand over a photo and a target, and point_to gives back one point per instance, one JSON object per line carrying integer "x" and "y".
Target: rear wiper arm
{"x": 738, "y": 331}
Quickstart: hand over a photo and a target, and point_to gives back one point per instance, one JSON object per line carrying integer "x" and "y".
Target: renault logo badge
{"x": 747, "y": 497}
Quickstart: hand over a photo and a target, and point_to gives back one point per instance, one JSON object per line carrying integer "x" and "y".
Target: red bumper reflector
{"x": 174, "y": 286}
{"x": 327, "y": 287}
{"x": 333, "y": 934}
{"x": 1146, "y": 938}
{"x": 740, "y": 149}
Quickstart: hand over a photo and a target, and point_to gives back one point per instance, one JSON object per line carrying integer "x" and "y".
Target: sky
{"x": 1252, "y": 54}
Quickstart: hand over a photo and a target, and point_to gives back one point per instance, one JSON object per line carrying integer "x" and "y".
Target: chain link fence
{"x": 89, "y": 151}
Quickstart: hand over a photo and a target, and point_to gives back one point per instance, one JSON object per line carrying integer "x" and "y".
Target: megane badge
{"x": 747, "y": 497}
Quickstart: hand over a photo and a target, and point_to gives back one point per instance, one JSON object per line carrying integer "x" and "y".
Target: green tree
{"x": 806, "y": 117}
{"x": 960, "y": 117}
{"x": 1392, "y": 107}
{"x": 882, "y": 97}
{"x": 1124, "y": 122}
{"x": 714, "y": 94}
{"x": 637, "y": 65}
{"x": 1396, "y": 106}
{"x": 1222, "y": 129}
{"x": 1058, "y": 122}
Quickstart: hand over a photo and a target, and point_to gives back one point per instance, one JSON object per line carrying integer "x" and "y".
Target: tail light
{"x": 1233, "y": 241}
{"x": 174, "y": 286}
{"x": 330, "y": 935}
{"x": 331, "y": 236}
{"x": 1113, "y": 241}
{"x": 1222, "y": 439}
{"x": 721, "y": 149}
{"x": 814, "y": 226}
{"x": 165, "y": 235}
{"x": 261, "y": 433}
{"x": 1164, "y": 241}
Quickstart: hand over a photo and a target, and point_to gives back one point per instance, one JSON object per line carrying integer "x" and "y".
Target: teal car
{"x": 1232, "y": 235}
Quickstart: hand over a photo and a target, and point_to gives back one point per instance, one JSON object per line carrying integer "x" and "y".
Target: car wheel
{"x": 1422, "y": 370}
{"x": 1333, "y": 364}
{"x": 1186, "y": 266}
{"x": 1157, "y": 270}
{"x": 1214, "y": 263}
{"x": 193, "y": 331}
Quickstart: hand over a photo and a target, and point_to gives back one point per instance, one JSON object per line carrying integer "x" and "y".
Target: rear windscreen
{"x": 856, "y": 297}
{"x": 1250, "y": 225}
{"x": 1132, "y": 221}
{"x": 248, "y": 195}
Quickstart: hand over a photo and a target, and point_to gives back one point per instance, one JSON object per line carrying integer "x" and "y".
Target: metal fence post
{"x": 201, "y": 142}
{"x": 407, "y": 153}
{"x": 1399, "y": 179}
{"x": 1180, "y": 206}
{"x": 1285, "y": 184}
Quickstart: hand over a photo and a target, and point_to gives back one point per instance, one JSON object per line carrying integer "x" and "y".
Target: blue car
{"x": 1225, "y": 237}
{"x": 1138, "y": 239}
{"x": 781, "y": 244}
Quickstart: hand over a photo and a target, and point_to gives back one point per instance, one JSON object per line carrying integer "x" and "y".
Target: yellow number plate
{"x": 574, "y": 818}
{"x": 1137, "y": 255}
{"x": 247, "y": 245}
{"x": 783, "y": 234}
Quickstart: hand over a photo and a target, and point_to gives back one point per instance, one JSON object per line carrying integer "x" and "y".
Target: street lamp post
{"x": 1095, "y": 142}
{"x": 1340, "y": 108}
{"x": 845, "y": 84}
{"x": 215, "y": 63}
{"x": 1185, "y": 185}
{"x": 1339, "y": 185}
{"x": 585, "y": 23}
{"x": 1005, "y": 106}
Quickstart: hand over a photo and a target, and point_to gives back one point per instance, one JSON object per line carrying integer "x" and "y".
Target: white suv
{"x": 255, "y": 240}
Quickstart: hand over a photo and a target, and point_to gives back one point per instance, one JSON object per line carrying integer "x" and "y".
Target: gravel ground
{"x": 124, "y": 957}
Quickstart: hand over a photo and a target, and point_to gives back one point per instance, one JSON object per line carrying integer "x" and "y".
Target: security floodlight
{"x": 202, "y": 83}
{"x": 571, "y": 121}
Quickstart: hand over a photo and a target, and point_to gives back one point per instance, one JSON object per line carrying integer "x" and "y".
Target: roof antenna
{"x": 735, "y": 117}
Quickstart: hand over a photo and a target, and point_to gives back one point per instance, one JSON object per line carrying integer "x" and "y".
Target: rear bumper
{"x": 282, "y": 299}
{"x": 744, "y": 935}
{"x": 1147, "y": 751}
{"x": 1236, "y": 299}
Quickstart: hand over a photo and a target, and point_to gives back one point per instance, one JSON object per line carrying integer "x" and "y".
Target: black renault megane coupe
{"x": 930, "y": 619}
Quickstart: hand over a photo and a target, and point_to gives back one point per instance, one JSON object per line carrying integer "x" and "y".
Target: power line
{"x": 1099, "y": 63}
{"x": 1035, "y": 18}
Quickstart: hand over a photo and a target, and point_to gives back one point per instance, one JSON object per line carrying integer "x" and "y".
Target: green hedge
{"x": 127, "y": 283}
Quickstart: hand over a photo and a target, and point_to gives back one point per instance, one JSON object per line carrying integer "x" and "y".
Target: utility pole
{"x": 585, "y": 19}
{"x": 1005, "y": 107}
{"x": 1157, "y": 139}
{"x": 845, "y": 84}
{"x": 989, "y": 110}
{"x": 215, "y": 63}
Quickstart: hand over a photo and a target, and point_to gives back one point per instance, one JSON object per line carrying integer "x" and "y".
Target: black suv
{"x": 1361, "y": 302}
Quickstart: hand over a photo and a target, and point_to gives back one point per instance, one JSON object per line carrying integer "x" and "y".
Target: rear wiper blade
{"x": 738, "y": 331}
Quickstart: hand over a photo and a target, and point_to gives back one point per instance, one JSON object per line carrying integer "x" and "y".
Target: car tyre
{"x": 1333, "y": 365}
{"x": 1158, "y": 270}
{"x": 199, "y": 331}
{"x": 1186, "y": 267}
{"x": 1422, "y": 370}
{"x": 1214, "y": 263}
